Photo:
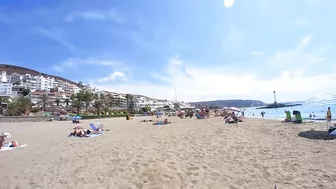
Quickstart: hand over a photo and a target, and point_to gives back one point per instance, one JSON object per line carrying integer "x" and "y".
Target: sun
{"x": 228, "y": 3}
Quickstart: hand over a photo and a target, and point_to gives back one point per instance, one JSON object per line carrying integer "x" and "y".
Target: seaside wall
{"x": 23, "y": 118}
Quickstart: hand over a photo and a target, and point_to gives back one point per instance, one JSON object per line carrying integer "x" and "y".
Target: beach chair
{"x": 93, "y": 127}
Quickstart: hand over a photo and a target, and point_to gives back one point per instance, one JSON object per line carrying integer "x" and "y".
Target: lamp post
{"x": 274, "y": 97}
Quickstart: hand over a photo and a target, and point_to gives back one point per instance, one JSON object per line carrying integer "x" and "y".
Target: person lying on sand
{"x": 165, "y": 122}
{"x": 3, "y": 139}
{"x": 147, "y": 120}
{"x": 78, "y": 127}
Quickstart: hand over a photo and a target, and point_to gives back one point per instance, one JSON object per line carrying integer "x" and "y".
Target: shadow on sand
{"x": 316, "y": 135}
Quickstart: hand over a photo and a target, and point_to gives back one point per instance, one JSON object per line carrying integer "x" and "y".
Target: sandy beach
{"x": 188, "y": 153}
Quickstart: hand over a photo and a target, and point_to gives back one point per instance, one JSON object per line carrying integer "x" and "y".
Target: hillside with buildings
{"x": 15, "y": 81}
{"x": 12, "y": 69}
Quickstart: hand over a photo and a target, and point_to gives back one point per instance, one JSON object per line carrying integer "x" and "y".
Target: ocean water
{"x": 279, "y": 113}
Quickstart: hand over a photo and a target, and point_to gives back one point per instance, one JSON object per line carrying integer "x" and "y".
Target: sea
{"x": 319, "y": 111}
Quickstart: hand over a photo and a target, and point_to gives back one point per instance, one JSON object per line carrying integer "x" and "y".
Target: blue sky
{"x": 200, "y": 48}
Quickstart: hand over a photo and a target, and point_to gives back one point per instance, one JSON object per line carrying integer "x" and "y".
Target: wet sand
{"x": 188, "y": 153}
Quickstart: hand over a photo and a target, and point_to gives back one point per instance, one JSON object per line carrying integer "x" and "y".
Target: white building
{"x": 3, "y": 77}
{"x": 15, "y": 78}
{"x": 17, "y": 90}
{"x": 45, "y": 83}
{"x": 6, "y": 89}
{"x": 38, "y": 83}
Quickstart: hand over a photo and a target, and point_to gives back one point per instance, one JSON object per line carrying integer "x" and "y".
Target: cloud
{"x": 94, "y": 15}
{"x": 57, "y": 36}
{"x": 113, "y": 76}
{"x": 228, "y": 3}
{"x": 289, "y": 74}
{"x": 75, "y": 63}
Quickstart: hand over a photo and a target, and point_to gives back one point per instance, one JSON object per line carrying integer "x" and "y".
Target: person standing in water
{"x": 328, "y": 117}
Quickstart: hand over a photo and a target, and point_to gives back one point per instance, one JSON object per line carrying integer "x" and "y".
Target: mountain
{"x": 9, "y": 69}
{"x": 229, "y": 103}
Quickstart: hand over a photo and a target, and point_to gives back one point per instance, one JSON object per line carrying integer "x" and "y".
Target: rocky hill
{"x": 229, "y": 103}
{"x": 9, "y": 69}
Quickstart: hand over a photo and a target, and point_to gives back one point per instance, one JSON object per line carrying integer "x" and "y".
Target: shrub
{"x": 35, "y": 109}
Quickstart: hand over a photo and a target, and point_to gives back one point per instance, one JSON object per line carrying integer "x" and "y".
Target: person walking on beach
{"x": 262, "y": 114}
{"x": 328, "y": 115}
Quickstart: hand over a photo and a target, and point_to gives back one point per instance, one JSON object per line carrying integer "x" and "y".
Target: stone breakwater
{"x": 23, "y": 118}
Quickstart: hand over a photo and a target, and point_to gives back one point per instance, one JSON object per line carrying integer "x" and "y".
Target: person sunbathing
{"x": 146, "y": 120}
{"x": 165, "y": 122}
{"x": 3, "y": 139}
{"x": 78, "y": 127}
{"x": 78, "y": 133}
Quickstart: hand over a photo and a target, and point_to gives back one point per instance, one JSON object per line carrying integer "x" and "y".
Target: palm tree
{"x": 87, "y": 98}
{"x": 110, "y": 100}
{"x": 19, "y": 106}
{"x": 128, "y": 97}
{"x": 57, "y": 101}
{"x": 67, "y": 101}
{"x": 98, "y": 102}
{"x": 44, "y": 100}
{"x": 78, "y": 104}
{"x": 129, "y": 102}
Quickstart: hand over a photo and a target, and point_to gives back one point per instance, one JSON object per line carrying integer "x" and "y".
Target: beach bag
{"x": 331, "y": 129}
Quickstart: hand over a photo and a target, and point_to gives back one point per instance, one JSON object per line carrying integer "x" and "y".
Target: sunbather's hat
{"x": 7, "y": 135}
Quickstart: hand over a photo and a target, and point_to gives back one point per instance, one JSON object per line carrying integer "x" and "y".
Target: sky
{"x": 203, "y": 50}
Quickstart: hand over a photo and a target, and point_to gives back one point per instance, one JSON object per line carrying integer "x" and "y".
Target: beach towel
{"x": 5, "y": 148}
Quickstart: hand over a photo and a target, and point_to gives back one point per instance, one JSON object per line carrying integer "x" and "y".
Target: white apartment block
{"x": 6, "y": 89}
{"x": 38, "y": 83}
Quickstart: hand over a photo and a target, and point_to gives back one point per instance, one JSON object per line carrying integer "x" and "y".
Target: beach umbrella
{"x": 77, "y": 117}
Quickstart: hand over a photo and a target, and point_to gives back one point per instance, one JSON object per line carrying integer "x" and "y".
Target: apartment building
{"x": 37, "y": 83}
{"x": 6, "y": 89}
{"x": 15, "y": 78}
{"x": 70, "y": 88}
{"x": 52, "y": 96}
{"x": 17, "y": 90}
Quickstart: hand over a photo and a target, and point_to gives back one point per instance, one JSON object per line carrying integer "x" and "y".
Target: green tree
{"x": 25, "y": 92}
{"x": 44, "y": 100}
{"x": 98, "y": 102}
{"x": 57, "y": 101}
{"x": 110, "y": 100}
{"x": 67, "y": 101}
{"x": 130, "y": 102}
{"x": 77, "y": 101}
{"x": 87, "y": 98}
{"x": 19, "y": 106}
{"x": 78, "y": 104}
{"x": 146, "y": 109}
